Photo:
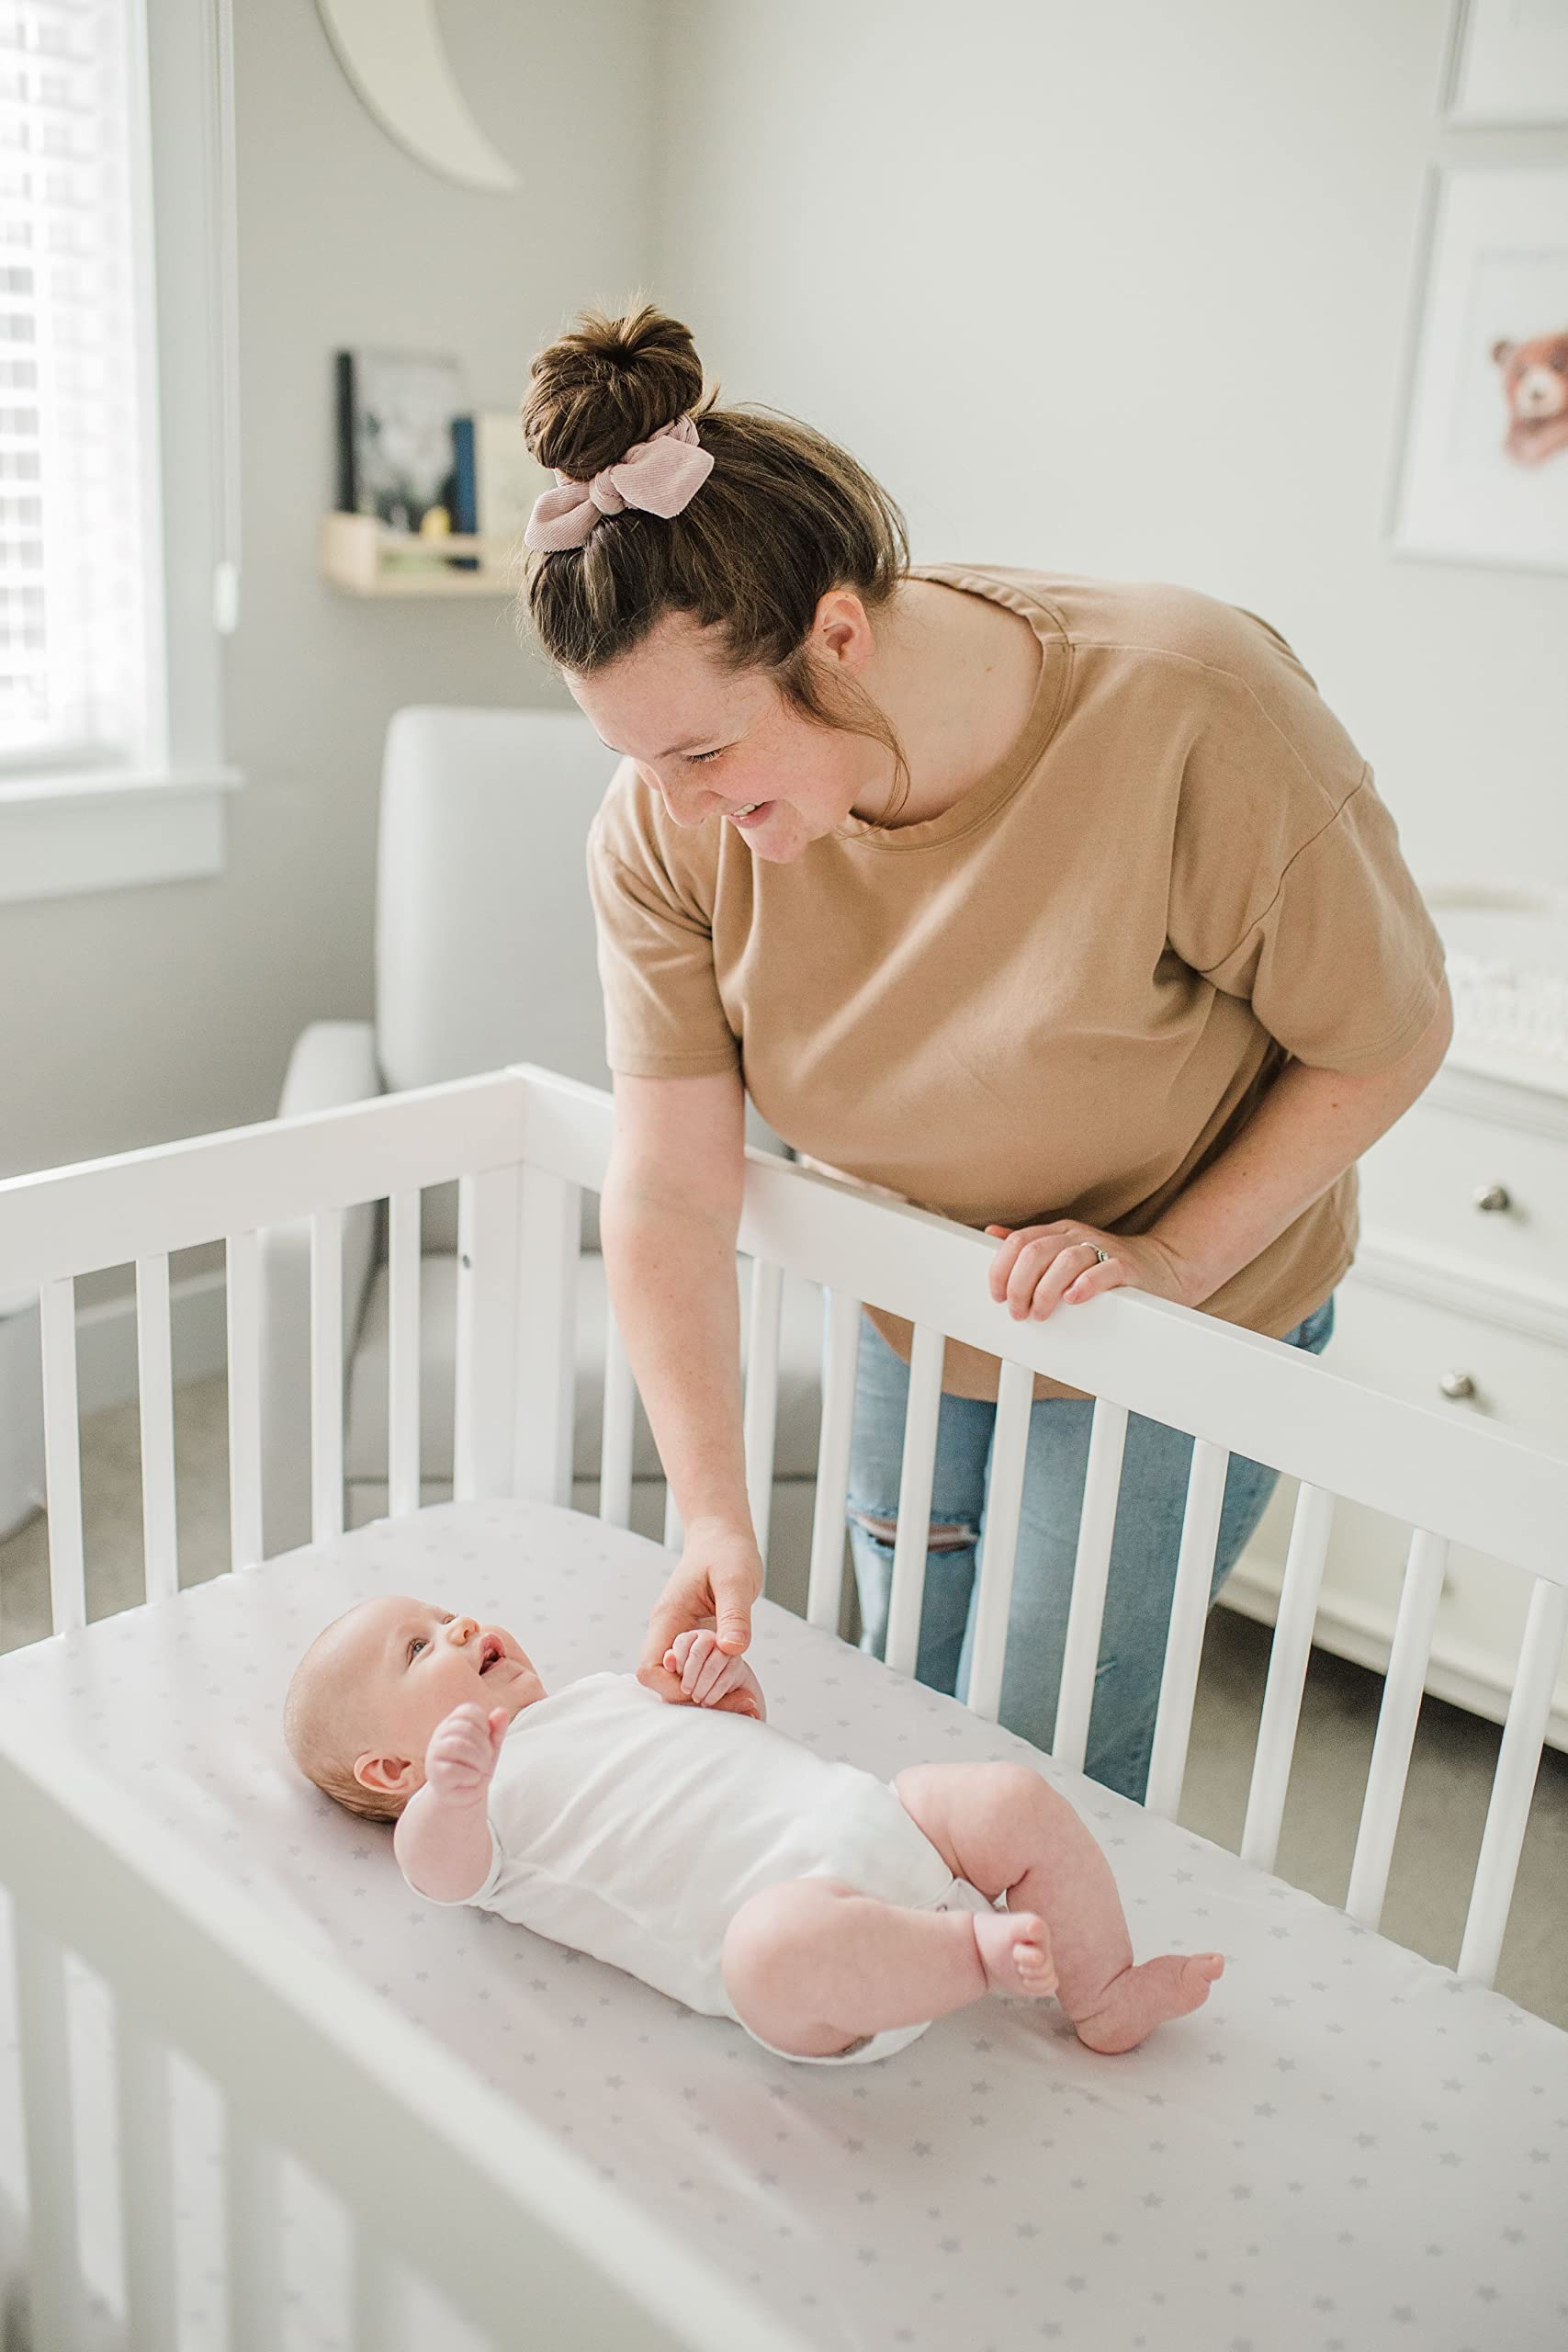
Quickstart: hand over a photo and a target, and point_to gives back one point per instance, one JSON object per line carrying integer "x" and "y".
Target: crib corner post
{"x": 488, "y": 1232}
{"x": 549, "y": 1243}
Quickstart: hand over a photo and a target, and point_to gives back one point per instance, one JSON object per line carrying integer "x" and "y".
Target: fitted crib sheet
{"x": 1346, "y": 2148}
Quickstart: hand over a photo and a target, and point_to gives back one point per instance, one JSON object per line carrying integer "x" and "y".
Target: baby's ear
{"x": 390, "y": 1776}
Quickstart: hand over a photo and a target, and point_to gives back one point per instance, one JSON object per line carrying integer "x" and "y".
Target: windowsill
{"x": 108, "y": 829}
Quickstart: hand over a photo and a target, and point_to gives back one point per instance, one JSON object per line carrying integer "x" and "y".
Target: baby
{"x": 830, "y": 1913}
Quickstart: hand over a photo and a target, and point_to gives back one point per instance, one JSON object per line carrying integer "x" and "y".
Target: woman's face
{"x": 712, "y": 741}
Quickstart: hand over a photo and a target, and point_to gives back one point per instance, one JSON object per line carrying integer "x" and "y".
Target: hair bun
{"x": 606, "y": 384}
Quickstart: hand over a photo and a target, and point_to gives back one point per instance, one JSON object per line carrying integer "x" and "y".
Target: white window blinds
{"x": 80, "y": 622}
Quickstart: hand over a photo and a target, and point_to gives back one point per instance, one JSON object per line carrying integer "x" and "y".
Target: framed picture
{"x": 394, "y": 433}
{"x": 1508, "y": 62}
{"x": 497, "y": 480}
{"x": 1482, "y": 472}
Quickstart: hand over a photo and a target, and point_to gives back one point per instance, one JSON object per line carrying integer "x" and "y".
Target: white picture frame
{"x": 507, "y": 480}
{"x": 1507, "y": 63}
{"x": 1480, "y": 474}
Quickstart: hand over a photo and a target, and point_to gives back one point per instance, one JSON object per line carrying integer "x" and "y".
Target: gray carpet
{"x": 1445, "y": 1807}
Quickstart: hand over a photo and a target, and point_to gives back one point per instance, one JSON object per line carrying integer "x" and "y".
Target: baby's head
{"x": 366, "y": 1696}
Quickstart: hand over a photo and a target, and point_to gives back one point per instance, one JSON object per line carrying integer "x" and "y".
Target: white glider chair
{"x": 484, "y": 955}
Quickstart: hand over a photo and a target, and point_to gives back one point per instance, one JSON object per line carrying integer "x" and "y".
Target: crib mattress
{"x": 1346, "y": 2148}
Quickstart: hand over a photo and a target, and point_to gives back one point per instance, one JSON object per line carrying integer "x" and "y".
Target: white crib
{"x": 445, "y": 2184}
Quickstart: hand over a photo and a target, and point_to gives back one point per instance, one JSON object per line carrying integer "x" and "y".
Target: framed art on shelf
{"x": 1482, "y": 472}
{"x": 497, "y": 481}
{"x": 394, "y": 434}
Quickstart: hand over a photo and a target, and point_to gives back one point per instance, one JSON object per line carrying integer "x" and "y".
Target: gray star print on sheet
{"x": 707, "y": 2106}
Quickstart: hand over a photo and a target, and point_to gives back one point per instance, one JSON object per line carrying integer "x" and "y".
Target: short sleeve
{"x": 1288, "y": 887}
{"x": 663, "y": 1017}
{"x": 482, "y": 1893}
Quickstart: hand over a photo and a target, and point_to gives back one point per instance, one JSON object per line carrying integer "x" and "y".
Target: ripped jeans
{"x": 1143, "y": 1552}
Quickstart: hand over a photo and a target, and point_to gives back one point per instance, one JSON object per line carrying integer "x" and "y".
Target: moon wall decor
{"x": 393, "y": 55}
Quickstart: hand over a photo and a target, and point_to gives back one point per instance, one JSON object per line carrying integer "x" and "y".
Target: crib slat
{"x": 841, "y": 1357}
{"x": 762, "y": 1409}
{"x": 1091, "y": 1569}
{"x": 326, "y": 1375}
{"x": 616, "y": 1435}
{"x": 913, "y": 1540}
{"x": 63, "y": 1456}
{"x": 1288, "y": 1657}
{"x": 253, "y": 2222}
{"x": 1188, "y": 1613}
{"x": 145, "y": 2201}
{"x": 155, "y": 1387}
{"x": 1403, "y": 1688}
{"x": 243, "y": 1251}
{"x": 56, "y": 2278}
{"x": 998, "y": 1550}
{"x": 371, "y": 2265}
{"x": 403, "y": 1466}
{"x": 1513, "y": 1785}
{"x": 546, "y": 1354}
{"x": 675, "y": 1533}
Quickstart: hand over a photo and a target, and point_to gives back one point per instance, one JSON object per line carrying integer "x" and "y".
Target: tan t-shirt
{"x": 1065, "y": 996}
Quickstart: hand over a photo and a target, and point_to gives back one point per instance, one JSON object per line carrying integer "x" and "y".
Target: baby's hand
{"x": 462, "y": 1752}
{"x": 710, "y": 1677}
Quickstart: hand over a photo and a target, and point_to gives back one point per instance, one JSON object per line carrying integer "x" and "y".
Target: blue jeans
{"x": 1143, "y": 1550}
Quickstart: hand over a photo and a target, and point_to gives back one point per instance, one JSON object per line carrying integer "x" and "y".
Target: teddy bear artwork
{"x": 1535, "y": 385}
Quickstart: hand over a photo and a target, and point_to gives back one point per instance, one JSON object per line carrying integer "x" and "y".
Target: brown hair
{"x": 785, "y": 516}
{"x": 313, "y": 1731}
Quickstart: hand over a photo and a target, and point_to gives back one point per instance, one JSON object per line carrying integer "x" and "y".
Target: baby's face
{"x": 404, "y": 1664}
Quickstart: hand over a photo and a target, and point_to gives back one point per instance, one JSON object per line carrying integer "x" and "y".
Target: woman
{"x": 1061, "y": 906}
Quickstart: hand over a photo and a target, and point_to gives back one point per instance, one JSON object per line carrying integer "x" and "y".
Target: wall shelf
{"x": 364, "y": 556}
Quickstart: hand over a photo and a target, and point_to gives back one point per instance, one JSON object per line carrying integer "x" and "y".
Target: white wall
{"x": 1122, "y": 288}
{"x": 1118, "y": 289}
{"x": 134, "y": 1016}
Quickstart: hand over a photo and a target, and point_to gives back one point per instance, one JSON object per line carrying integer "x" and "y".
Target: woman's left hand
{"x": 1039, "y": 1265}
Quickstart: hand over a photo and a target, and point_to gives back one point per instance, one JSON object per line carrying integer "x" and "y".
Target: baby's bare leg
{"x": 812, "y": 1964}
{"x": 1008, "y": 1832}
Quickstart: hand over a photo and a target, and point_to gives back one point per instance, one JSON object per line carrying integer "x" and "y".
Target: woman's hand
{"x": 719, "y": 1577}
{"x": 1039, "y": 1265}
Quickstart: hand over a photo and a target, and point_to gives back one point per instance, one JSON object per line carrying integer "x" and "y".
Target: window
{"x": 80, "y": 572}
{"x": 113, "y": 115}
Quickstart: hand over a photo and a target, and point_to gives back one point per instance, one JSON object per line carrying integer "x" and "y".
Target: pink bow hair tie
{"x": 658, "y": 475}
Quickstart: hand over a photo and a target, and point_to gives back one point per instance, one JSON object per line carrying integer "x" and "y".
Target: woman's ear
{"x": 842, "y": 630}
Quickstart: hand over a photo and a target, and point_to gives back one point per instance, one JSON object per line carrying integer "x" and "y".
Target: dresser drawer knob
{"x": 1457, "y": 1384}
{"x": 1493, "y": 1196}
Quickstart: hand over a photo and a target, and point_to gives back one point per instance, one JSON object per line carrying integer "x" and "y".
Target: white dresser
{"x": 1459, "y": 1294}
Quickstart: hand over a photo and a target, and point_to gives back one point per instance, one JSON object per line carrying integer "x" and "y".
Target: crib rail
{"x": 499, "y": 2217}
{"x": 525, "y": 1143}
{"x": 1231, "y": 1387}
{"x": 141, "y": 1207}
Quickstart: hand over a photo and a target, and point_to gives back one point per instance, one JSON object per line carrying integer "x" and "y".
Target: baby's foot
{"x": 1015, "y": 1952}
{"x": 1141, "y": 1998}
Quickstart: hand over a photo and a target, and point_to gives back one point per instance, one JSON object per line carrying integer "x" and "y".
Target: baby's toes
{"x": 1032, "y": 1956}
{"x": 1015, "y": 1952}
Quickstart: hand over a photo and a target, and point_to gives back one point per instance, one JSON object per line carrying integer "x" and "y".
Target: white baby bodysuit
{"x": 634, "y": 1829}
